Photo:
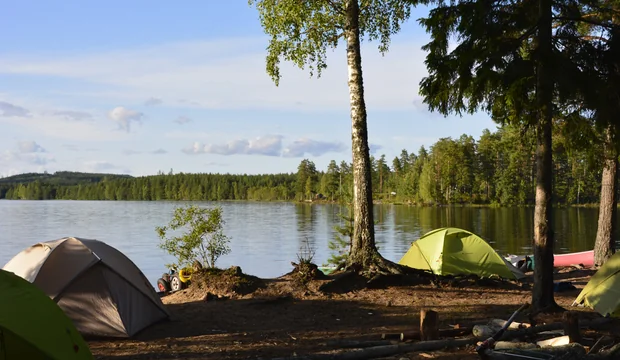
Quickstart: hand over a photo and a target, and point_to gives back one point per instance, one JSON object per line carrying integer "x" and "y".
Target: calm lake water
{"x": 266, "y": 237}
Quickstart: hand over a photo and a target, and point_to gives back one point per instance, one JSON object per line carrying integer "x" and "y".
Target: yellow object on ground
{"x": 454, "y": 251}
{"x": 602, "y": 292}
{"x": 185, "y": 275}
{"x": 33, "y": 327}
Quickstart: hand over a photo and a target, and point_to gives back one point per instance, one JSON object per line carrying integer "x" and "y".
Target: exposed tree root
{"x": 382, "y": 273}
{"x": 379, "y": 274}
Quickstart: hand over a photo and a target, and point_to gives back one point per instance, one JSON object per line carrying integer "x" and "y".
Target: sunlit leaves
{"x": 302, "y": 31}
{"x": 203, "y": 238}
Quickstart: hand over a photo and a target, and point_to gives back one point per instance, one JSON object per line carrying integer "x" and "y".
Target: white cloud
{"x": 269, "y": 145}
{"x": 213, "y": 163}
{"x": 26, "y": 152}
{"x": 182, "y": 120}
{"x": 153, "y": 101}
{"x": 43, "y": 124}
{"x": 124, "y": 117}
{"x": 73, "y": 115}
{"x": 159, "y": 152}
{"x": 12, "y": 110}
{"x": 26, "y": 147}
{"x": 230, "y": 73}
{"x": 98, "y": 166}
{"x": 313, "y": 147}
{"x": 129, "y": 152}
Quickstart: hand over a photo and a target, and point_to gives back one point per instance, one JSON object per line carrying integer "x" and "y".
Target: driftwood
{"x": 343, "y": 344}
{"x": 505, "y": 345}
{"x": 369, "y": 349}
{"x": 515, "y": 334}
{"x": 488, "y": 343}
{"x": 388, "y": 350}
{"x": 565, "y": 352}
{"x": 498, "y": 323}
{"x": 415, "y": 334}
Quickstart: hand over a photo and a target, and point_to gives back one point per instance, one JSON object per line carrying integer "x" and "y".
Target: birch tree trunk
{"x": 542, "y": 293}
{"x": 605, "y": 235}
{"x": 363, "y": 249}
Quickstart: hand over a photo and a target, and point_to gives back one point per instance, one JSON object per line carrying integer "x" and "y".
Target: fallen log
{"x": 344, "y": 343}
{"x": 388, "y": 350}
{"x": 415, "y": 334}
{"x": 514, "y": 334}
{"x": 506, "y": 345}
{"x": 498, "y": 323}
{"x": 434, "y": 345}
{"x": 566, "y": 352}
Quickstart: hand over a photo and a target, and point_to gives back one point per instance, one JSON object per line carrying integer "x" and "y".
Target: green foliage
{"x": 491, "y": 69}
{"x": 301, "y": 31}
{"x": 340, "y": 245}
{"x": 305, "y": 269}
{"x": 306, "y": 253}
{"x": 203, "y": 239}
{"x": 497, "y": 168}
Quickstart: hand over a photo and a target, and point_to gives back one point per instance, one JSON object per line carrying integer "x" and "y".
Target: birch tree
{"x": 301, "y": 32}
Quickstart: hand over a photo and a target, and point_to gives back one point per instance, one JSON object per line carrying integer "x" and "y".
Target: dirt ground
{"x": 282, "y": 318}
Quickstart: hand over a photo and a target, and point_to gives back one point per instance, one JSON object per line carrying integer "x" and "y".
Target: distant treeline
{"x": 498, "y": 168}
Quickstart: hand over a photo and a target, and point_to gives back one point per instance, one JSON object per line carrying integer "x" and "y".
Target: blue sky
{"x": 137, "y": 87}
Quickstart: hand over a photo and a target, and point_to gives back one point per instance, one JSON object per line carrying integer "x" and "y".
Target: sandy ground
{"x": 285, "y": 319}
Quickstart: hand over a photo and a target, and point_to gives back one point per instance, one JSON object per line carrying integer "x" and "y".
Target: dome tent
{"x": 454, "y": 251}
{"x": 33, "y": 327}
{"x": 98, "y": 287}
{"x": 602, "y": 292}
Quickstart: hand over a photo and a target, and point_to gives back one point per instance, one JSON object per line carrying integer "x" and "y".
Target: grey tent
{"x": 97, "y": 286}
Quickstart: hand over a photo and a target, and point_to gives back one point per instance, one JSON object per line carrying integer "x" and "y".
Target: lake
{"x": 267, "y": 236}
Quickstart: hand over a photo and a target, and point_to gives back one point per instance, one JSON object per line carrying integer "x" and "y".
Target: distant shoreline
{"x": 321, "y": 202}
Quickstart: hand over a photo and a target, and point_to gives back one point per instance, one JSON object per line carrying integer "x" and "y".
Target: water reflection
{"x": 266, "y": 237}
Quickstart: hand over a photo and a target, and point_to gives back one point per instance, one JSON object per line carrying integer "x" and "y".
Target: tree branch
{"x": 335, "y": 6}
{"x": 584, "y": 20}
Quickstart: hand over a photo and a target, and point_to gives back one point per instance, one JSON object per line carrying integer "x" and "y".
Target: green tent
{"x": 602, "y": 292}
{"x": 453, "y": 251}
{"x": 33, "y": 327}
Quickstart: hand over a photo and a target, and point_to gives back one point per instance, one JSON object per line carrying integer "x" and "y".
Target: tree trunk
{"x": 542, "y": 293}
{"x": 605, "y": 235}
{"x": 363, "y": 249}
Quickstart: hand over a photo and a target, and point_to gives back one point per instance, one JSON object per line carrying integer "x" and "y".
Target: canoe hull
{"x": 585, "y": 258}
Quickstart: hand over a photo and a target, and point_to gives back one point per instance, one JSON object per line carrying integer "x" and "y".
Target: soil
{"x": 230, "y": 315}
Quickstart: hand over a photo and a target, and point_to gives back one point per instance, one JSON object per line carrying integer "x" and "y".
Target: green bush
{"x": 203, "y": 239}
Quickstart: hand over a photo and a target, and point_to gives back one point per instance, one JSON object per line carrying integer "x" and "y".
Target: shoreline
{"x": 321, "y": 202}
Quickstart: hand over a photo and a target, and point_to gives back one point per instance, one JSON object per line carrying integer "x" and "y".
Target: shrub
{"x": 203, "y": 239}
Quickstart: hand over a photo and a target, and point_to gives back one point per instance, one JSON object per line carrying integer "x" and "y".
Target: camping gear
{"x": 585, "y": 258}
{"x": 602, "y": 292}
{"x": 175, "y": 280}
{"x": 453, "y": 251}
{"x": 98, "y": 287}
{"x": 33, "y": 327}
{"x": 526, "y": 262}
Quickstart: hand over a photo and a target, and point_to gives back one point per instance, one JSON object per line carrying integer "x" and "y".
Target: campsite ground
{"x": 283, "y": 318}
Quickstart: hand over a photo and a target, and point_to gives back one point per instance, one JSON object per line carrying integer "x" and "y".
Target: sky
{"x": 138, "y": 87}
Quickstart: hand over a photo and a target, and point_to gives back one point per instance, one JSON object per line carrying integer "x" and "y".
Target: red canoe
{"x": 585, "y": 258}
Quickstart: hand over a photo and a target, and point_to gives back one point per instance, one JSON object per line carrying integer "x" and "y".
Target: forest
{"x": 498, "y": 168}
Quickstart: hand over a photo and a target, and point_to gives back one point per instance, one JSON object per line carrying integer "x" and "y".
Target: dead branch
{"x": 388, "y": 350}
